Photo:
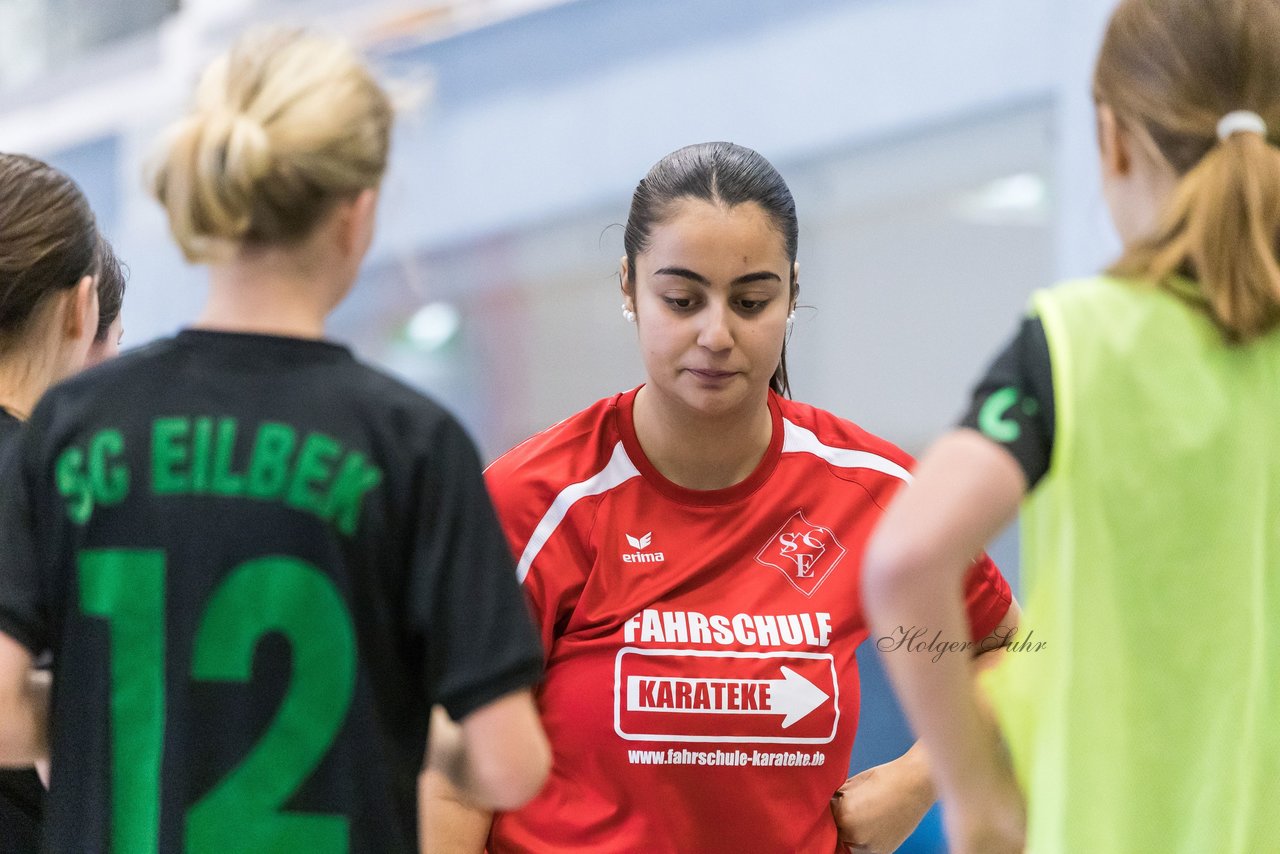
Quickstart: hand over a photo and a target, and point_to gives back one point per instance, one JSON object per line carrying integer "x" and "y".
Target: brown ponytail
{"x": 1170, "y": 69}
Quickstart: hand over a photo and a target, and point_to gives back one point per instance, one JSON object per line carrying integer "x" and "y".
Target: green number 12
{"x": 270, "y": 594}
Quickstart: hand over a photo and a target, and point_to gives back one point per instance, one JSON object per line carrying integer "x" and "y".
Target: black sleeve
{"x": 1013, "y": 403}
{"x": 22, "y": 615}
{"x": 480, "y": 638}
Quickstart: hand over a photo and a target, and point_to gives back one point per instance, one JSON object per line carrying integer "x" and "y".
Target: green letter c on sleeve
{"x": 992, "y": 420}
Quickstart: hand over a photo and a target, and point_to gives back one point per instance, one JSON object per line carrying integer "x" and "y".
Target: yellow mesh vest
{"x": 1149, "y": 720}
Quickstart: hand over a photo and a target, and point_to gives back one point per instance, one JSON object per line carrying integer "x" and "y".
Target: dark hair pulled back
{"x": 48, "y": 240}
{"x": 721, "y": 173}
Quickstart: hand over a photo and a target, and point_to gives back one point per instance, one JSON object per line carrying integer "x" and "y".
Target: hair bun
{"x": 285, "y": 123}
{"x": 223, "y": 156}
{"x": 246, "y": 148}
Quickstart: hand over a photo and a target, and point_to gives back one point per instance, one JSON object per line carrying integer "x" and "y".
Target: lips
{"x": 710, "y": 375}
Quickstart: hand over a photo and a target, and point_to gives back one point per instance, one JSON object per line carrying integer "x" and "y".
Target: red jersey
{"x": 701, "y": 689}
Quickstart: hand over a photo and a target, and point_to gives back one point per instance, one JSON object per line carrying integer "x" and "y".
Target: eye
{"x": 679, "y": 303}
{"x": 752, "y": 306}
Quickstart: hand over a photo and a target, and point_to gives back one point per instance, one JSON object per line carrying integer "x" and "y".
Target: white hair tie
{"x": 1241, "y": 121}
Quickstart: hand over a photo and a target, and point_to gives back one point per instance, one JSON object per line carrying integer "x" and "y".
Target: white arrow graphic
{"x": 792, "y": 696}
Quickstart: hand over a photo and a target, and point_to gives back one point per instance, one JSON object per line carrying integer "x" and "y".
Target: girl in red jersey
{"x": 691, "y": 550}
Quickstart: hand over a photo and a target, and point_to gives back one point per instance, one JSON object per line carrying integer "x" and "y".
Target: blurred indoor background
{"x": 941, "y": 153}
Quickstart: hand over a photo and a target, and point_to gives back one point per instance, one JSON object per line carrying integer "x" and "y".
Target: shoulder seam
{"x": 800, "y": 440}
{"x": 617, "y": 471}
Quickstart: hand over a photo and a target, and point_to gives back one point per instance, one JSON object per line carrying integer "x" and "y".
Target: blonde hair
{"x": 1170, "y": 69}
{"x": 285, "y": 124}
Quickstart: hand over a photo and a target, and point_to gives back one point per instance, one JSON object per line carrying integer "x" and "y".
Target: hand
{"x": 877, "y": 810}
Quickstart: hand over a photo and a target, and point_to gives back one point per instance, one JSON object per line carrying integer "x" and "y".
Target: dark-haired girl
{"x": 49, "y": 260}
{"x": 112, "y": 279}
{"x": 691, "y": 550}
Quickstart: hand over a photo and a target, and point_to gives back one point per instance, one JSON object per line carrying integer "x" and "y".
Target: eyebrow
{"x": 760, "y": 276}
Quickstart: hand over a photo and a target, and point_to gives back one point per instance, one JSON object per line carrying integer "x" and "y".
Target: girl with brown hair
{"x": 50, "y": 256}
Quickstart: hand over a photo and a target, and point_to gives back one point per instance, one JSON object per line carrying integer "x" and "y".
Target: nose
{"x": 716, "y": 333}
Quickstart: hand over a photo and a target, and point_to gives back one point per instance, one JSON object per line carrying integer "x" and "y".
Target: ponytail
{"x": 1171, "y": 70}
{"x": 1221, "y": 229}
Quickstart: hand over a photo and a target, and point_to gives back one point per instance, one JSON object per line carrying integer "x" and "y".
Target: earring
{"x": 628, "y": 314}
{"x": 791, "y": 320}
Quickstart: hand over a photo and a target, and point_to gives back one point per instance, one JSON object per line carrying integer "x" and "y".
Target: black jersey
{"x": 1013, "y": 405}
{"x": 257, "y": 563}
{"x": 21, "y": 795}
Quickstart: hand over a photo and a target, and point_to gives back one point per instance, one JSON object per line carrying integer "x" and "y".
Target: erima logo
{"x": 640, "y": 555}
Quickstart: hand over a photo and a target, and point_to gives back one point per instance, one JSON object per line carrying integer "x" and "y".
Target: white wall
{"x": 878, "y": 111}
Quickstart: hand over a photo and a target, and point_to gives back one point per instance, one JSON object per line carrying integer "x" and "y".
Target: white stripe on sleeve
{"x": 617, "y": 471}
{"x": 798, "y": 440}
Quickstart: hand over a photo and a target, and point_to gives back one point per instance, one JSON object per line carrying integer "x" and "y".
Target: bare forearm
{"x": 24, "y": 716}
{"x": 916, "y": 761}
{"x": 449, "y": 825}
{"x": 966, "y": 490}
{"x": 498, "y": 757}
{"x": 956, "y": 738}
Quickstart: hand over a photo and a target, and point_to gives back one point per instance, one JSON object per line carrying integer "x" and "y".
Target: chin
{"x": 713, "y": 401}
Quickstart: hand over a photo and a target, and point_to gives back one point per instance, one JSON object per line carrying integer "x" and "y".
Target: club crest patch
{"x": 803, "y": 552}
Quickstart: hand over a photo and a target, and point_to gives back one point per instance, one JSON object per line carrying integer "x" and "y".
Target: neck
{"x": 23, "y": 381}
{"x": 700, "y": 451}
{"x": 267, "y": 295}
